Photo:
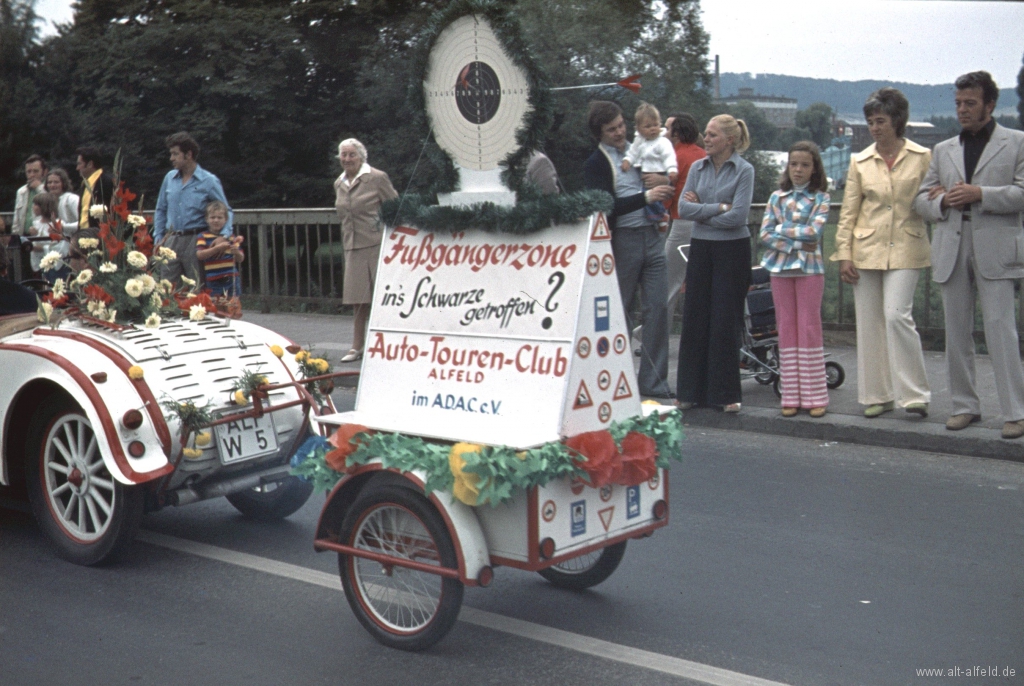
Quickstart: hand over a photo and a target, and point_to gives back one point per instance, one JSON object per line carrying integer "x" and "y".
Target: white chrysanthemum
{"x": 153, "y": 321}
{"x": 148, "y": 283}
{"x": 133, "y": 287}
{"x": 166, "y": 287}
{"x": 88, "y": 243}
{"x": 187, "y": 281}
{"x": 136, "y": 220}
{"x": 156, "y": 301}
{"x": 108, "y": 267}
{"x": 45, "y": 312}
{"x": 97, "y": 211}
{"x": 59, "y": 288}
{"x": 167, "y": 253}
{"x": 137, "y": 259}
{"x": 197, "y": 313}
{"x": 49, "y": 261}
{"x": 112, "y": 316}
{"x": 96, "y": 308}
{"x": 84, "y": 277}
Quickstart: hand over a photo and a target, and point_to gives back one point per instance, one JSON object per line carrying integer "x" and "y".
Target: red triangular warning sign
{"x": 582, "y": 397}
{"x": 622, "y": 389}
{"x": 606, "y": 516}
{"x": 601, "y": 232}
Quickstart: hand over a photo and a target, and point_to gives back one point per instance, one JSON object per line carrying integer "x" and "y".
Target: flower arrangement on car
{"x": 116, "y": 285}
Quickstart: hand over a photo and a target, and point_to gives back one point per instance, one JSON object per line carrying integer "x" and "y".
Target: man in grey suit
{"x": 974, "y": 192}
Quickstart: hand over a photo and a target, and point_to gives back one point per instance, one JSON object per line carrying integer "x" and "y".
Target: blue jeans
{"x": 228, "y": 286}
{"x": 640, "y": 262}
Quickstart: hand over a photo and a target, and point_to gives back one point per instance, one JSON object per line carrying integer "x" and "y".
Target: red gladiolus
{"x": 143, "y": 241}
{"x": 602, "y": 463}
{"x": 638, "y": 453}
{"x": 342, "y": 441}
{"x": 94, "y": 292}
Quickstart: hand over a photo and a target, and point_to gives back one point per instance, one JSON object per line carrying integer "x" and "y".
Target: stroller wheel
{"x": 835, "y": 375}
{"x": 776, "y": 386}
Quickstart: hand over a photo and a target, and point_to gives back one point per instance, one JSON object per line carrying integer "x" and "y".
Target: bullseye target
{"x": 476, "y": 96}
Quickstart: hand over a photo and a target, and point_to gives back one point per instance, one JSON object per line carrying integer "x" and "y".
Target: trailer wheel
{"x": 88, "y": 516}
{"x": 835, "y": 375}
{"x": 273, "y": 501}
{"x": 401, "y": 607}
{"x": 587, "y": 570}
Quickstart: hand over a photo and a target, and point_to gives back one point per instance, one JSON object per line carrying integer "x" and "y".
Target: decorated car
{"x": 124, "y": 393}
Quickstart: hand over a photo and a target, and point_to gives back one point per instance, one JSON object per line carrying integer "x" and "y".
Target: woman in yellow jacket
{"x": 881, "y": 244}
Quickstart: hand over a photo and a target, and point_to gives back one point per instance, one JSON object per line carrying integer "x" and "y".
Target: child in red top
{"x": 219, "y": 255}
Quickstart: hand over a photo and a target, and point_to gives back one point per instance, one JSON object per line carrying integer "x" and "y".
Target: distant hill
{"x": 847, "y": 97}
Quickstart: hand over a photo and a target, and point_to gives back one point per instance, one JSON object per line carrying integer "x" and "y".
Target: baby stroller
{"x": 759, "y": 351}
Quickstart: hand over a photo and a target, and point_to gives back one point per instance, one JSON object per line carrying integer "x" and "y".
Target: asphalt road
{"x": 785, "y": 560}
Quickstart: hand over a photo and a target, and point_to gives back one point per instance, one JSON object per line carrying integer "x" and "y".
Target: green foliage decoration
{"x": 190, "y": 417}
{"x": 525, "y": 217}
{"x": 502, "y": 470}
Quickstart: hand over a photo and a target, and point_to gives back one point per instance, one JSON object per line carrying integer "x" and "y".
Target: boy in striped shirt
{"x": 219, "y": 255}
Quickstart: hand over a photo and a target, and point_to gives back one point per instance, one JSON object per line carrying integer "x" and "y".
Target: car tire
{"x": 401, "y": 607}
{"x": 274, "y": 501}
{"x": 579, "y": 573}
{"x": 88, "y": 516}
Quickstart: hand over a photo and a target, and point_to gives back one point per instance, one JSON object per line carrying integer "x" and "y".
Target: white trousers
{"x": 890, "y": 364}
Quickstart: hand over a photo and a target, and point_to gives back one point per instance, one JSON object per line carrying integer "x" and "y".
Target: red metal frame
{"x": 107, "y": 422}
{"x": 446, "y": 572}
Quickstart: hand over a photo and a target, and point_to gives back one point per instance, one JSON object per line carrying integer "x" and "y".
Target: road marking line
{"x": 675, "y": 666}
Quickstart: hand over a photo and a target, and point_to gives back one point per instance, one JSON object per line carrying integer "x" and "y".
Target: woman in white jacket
{"x": 59, "y": 184}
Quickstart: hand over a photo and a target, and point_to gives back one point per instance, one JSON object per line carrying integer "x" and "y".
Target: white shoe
{"x": 352, "y": 356}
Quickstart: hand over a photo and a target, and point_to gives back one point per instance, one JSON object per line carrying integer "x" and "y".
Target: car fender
{"x": 460, "y": 519}
{"x": 102, "y": 390}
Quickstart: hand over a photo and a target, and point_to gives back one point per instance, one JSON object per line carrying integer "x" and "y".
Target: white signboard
{"x": 495, "y": 338}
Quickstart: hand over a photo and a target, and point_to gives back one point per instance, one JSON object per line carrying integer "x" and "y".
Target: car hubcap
{"x": 80, "y": 489}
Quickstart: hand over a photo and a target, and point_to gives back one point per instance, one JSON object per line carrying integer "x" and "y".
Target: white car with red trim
{"x": 92, "y": 447}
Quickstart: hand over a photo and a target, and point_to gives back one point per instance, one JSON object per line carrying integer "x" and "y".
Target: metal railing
{"x": 295, "y": 257}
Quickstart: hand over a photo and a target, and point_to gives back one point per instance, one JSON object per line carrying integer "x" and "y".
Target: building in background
{"x": 778, "y": 110}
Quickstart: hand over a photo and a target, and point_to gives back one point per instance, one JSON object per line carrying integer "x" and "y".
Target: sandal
{"x": 789, "y": 411}
{"x": 817, "y": 412}
{"x": 732, "y": 408}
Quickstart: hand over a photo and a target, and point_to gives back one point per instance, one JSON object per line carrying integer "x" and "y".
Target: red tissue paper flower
{"x": 602, "y": 463}
{"x": 94, "y": 292}
{"x": 342, "y": 441}
{"x": 638, "y": 453}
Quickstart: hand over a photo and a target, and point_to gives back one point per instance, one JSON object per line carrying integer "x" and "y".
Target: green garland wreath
{"x": 503, "y": 470}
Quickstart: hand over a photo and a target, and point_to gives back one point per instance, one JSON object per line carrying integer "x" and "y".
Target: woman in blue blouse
{"x": 716, "y": 198}
{"x": 791, "y": 233}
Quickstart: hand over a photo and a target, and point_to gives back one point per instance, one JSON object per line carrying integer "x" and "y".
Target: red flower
{"x": 95, "y": 292}
{"x": 198, "y": 299}
{"x": 143, "y": 241}
{"x": 602, "y": 462}
{"x": 638, "y": 453}
{"x": 342, "y": 440}
{"x": 56, "y": 302}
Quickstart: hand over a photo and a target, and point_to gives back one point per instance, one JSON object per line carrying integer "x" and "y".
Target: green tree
{"x": 763, "y": 134}
{"x": 18, "y": 51}
{"x": 1020, "y": 95}
{"x": 817, "y": 119}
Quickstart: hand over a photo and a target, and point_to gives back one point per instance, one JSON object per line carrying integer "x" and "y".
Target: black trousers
{"x": 717, "y": 280}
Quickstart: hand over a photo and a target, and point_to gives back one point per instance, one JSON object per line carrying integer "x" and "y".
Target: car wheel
{"x": 401, "y": 607}
{"x": 587, "y": 570}
{"x": 88, "y": 515}
{"x": 273, "y": 501}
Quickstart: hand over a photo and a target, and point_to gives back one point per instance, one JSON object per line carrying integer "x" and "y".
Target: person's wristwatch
{"x": 722, "y": 207}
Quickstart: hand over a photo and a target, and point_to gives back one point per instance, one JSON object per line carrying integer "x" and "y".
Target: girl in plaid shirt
{"x": 791, "y": 235}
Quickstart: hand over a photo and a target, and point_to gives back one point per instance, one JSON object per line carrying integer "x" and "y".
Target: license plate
{"x": 246, "y": 438}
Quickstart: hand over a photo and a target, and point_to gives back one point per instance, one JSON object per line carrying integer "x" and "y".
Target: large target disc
{"x": 476, "y": 96}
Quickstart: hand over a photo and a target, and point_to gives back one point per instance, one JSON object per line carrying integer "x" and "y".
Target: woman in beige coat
{"x": 359, "y": 192}
{"x": 881, "y": 246}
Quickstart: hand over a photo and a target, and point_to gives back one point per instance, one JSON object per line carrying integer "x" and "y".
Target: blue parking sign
{"x": 602, "y": 307}
{"x": 579, "y": 517}
{"x": 632, "y": 502}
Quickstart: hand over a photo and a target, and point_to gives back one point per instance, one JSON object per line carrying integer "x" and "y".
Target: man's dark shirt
{"x": 974, "y": 144}
{"x": 15, "y": 298}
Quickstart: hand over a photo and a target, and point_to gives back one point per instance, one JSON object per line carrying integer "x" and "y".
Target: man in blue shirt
{"x": 181, "y": 208}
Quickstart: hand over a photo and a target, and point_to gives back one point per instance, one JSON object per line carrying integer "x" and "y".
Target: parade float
{"x": 497, "y": 419}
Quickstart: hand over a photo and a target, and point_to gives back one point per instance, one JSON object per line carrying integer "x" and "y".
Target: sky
{"x": 913, "y": 41}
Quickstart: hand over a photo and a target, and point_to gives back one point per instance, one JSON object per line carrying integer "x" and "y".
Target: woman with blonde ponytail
{"x": 716, "y": 198}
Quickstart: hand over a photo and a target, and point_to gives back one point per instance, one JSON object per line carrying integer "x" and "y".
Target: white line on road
{"x": 675, "y": 666}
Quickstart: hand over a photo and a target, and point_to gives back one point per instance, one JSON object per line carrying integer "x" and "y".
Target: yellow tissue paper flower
{"x": 135, "y": 372}
{"x": 466, "y": 487}
{"x": 277, "y": 350}
{"x": 240, "y": 398}
{"x": 192, "y": 453}
{"x": 203, "y": 439}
